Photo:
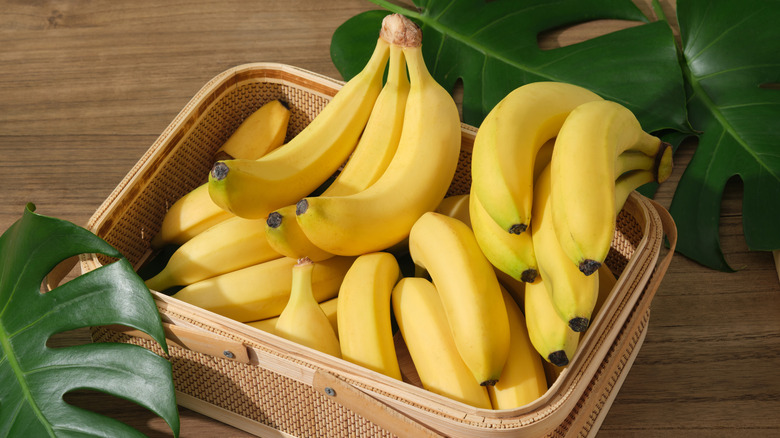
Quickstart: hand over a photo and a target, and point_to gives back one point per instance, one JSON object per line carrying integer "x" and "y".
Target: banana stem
{"x": 400, "y": 31}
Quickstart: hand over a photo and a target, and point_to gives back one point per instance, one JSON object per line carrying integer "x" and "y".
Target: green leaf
{"x": 731, "y": 52}
{"x": 493, "y": 48}
{"x": 33, "y": 376}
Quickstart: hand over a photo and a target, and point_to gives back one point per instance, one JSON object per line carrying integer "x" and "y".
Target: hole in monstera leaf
{"x": 770, "y": 86}
{"x": 65, "y": 271}
{"x": 576, "y": 33}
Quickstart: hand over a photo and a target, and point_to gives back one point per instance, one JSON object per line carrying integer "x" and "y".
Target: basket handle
{"x": 670, "y": 229}
{"x": 370, "y": 408}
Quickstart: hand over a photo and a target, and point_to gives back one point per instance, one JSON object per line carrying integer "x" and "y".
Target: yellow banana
{"x": 263, "y": 131}
{"x": 507, "y": 144}
{"x": 583, "y": 177}
{"x": 227, "y": 246}
{"x": 550, "y": 335}
{"x": 510, "y": 253}
{"x": 470, "y": 293}
{"x": 364, "y": 313}
{"x": 328, "y": 307}
{"x": 261, "y": 291}
{"x": 254, "y": 188}
{"x": 416, "y": 180}
{"x": 426, "y": 332}
{"x": 371, "y": 156}
{"x": 258, "y": 134}
{"x": 286, "y": 237}
{"x": 572, "y": 293}
{"x": 523, "y": 379}
{"x": 302, "y": 319}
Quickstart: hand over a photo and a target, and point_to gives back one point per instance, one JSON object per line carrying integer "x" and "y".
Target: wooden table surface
{"x": 87, "y": 86}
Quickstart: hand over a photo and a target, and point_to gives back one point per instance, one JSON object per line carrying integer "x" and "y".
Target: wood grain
{"x": 87, "y": 86}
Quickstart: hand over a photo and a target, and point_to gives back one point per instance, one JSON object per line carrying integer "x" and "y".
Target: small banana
{"x": 302, "y": 319}
{"x": 364, "y": 313}
{"x": 508, "y": 142}
{"x": 261, "y": 291}
{"x": 328, "y": 307}
{"x": 368, "y": 162}
{"x": 227, "y": 246}
{"x": 193, "y": 213}
{"x": 261, "y": 132}
{"x": 523, "y": 379}
{"x": 470, "y": 293}
{"x": 572, "y": 293}
{"x": 550, "y": 335}
{"x": 417, "y": 178}
{"x": 254, "y": 188}
{"x": 583, "y": 177}
{"x": 426, "y": 332}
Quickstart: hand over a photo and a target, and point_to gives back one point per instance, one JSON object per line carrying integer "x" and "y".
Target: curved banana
{"x": 302, "y": 319}
{"x": 523, "y": 379}
{"x": 470, "y": 293}
{"x": 583, "y": 177}
{"x": 263, "y": 131}
{"x": 258, "y": 134}
{"x": 550, "y": 335}
{"x": 254, "y": 188}
{"x": 364, "y": 313}
{"x": 227, "y": 246}
{"x": 368, "y": 162}
{"x": 572, "y": 293}
{"x": 508, "y": 252}
{"x": 261, "y": 291}
{"x": 327, "y": 306}
{"x": 416, "y": 180}
{"x": 508, "y": 141}
{"x": 426, "y": 332}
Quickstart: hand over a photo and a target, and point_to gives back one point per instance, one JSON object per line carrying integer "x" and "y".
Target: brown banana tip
{"x": 219, "y": 171}
{"x": 400, "y": 31}
{"x": 517, "y": 228}
{"x": 558, "y": 358}
{"x": 301, "y": 207}
{"x": 491, "y": 382}
{"x": 529, "y": 275}
{"x": 588, "y": 266}
{"x": 274, "y": 219}
{"x": 579, "y": 324}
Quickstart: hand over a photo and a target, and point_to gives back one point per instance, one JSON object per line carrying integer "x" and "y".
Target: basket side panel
{"x": 255, "y": 393}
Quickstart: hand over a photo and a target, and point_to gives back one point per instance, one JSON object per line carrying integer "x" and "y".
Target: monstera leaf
{"x": 492, "y": 47}
{"x": 731, "y": 54}
{"x": 721, "y": 86}
{"x": 33, "y": 376}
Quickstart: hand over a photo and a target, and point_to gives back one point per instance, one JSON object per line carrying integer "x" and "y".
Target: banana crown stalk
{"x": 415, "y": 181}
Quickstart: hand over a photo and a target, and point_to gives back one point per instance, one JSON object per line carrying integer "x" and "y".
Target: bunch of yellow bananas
{"x": 498, "y": 297}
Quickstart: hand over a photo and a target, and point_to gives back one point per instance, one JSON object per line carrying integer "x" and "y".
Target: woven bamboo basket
{"x": 269, "y": 386}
